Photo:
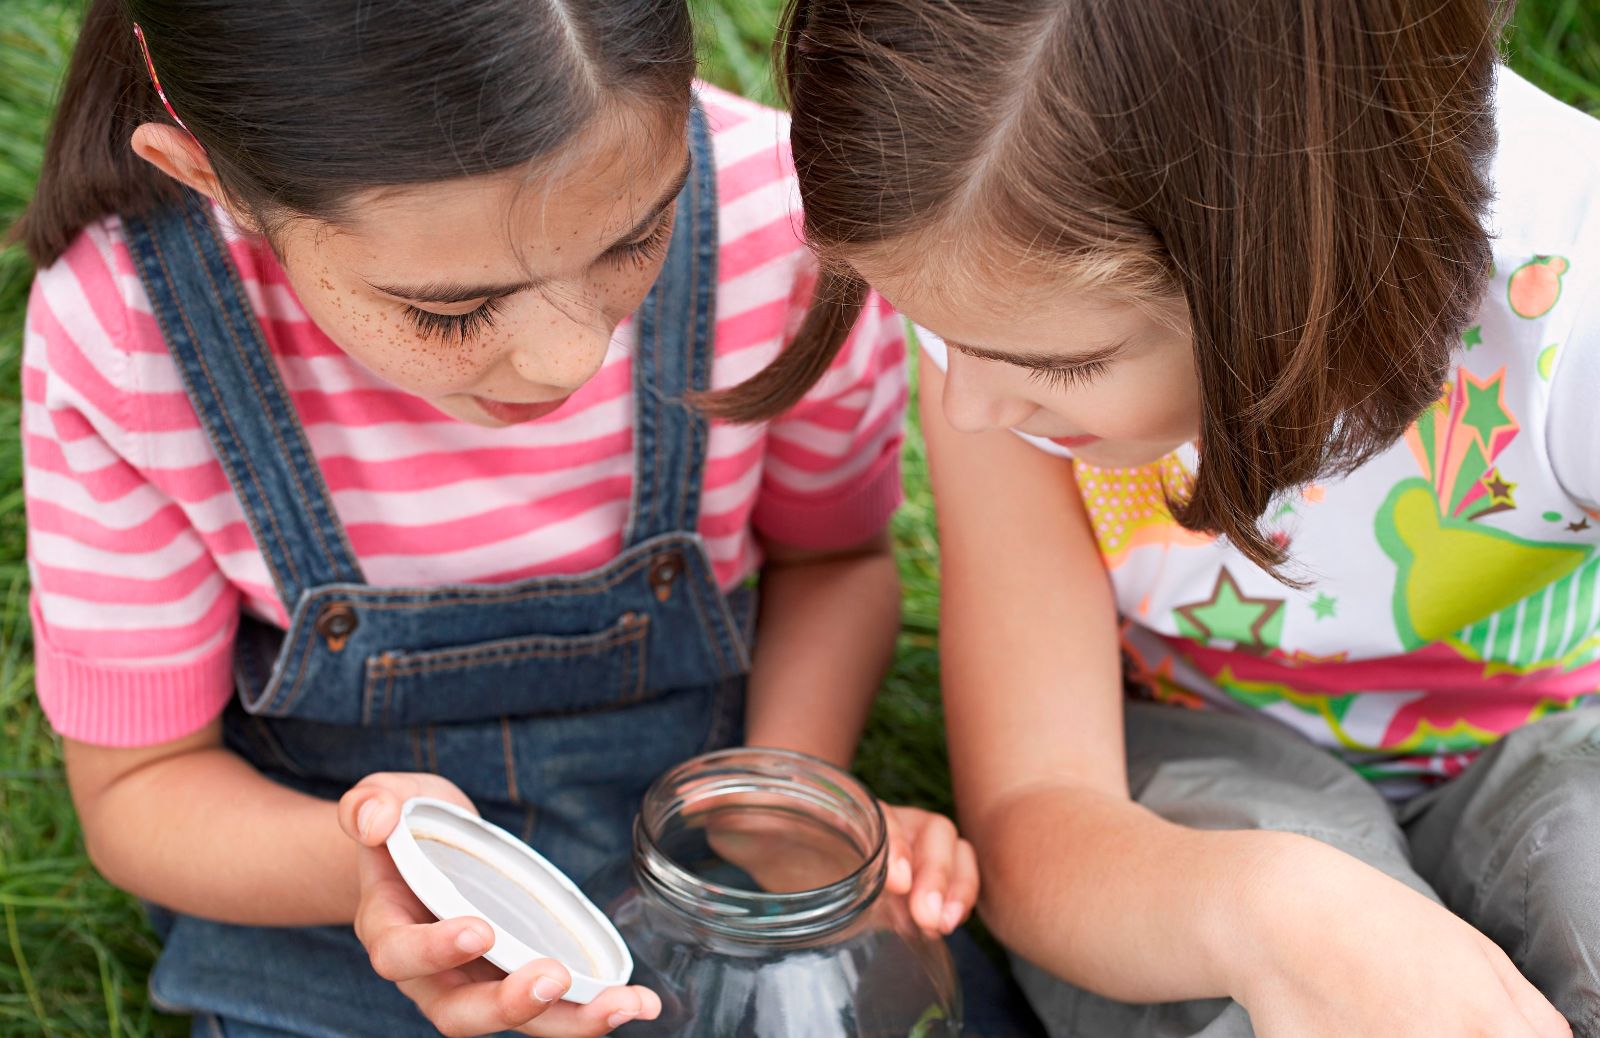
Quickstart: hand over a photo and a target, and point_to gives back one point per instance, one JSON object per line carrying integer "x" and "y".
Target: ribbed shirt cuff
{"x": 121, "y": 704}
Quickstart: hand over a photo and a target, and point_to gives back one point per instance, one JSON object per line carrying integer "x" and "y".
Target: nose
{"x": 565, "y": 359}
{"x": 975, "y": 399}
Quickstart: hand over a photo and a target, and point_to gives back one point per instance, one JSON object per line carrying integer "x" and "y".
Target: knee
{"x": 1555, "y": 778}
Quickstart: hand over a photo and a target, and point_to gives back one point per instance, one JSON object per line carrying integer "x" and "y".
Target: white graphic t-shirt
{"x": 1452, "y": 579}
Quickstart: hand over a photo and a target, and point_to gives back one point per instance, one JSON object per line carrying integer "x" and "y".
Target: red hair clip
{"x": 155, "y": 80}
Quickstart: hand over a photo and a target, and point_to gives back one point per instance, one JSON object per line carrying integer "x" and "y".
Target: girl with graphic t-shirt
{"x": 1294, "y": 307}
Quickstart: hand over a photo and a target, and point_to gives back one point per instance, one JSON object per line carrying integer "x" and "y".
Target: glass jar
{"x": 754, "y": 906}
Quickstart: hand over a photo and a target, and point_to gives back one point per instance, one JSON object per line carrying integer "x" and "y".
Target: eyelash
{"x": 461, "y": 327}
{"x": 1068, "y": 378}
{"x": 641, "y": 252}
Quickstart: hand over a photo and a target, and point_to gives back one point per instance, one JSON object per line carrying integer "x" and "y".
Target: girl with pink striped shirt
{"x": 364, "y": 460}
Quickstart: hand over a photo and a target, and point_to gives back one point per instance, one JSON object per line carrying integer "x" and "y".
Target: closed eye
{"x": 1067, "y": 378}
{"x": 643, "y": 250}
{"x": 455, "y": 327}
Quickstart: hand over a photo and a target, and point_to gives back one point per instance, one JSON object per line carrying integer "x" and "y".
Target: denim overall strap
{"x": 673, "y": 358}
{"x": 233, "y": 382}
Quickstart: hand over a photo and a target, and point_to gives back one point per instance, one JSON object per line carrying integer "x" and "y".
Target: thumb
{"x": 369, "y": 811}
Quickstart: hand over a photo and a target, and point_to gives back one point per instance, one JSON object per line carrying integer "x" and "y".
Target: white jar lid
{"x": 458, "y": 864}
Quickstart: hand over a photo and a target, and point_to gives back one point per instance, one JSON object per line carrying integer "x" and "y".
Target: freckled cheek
{"x": 389, "y": 345}
{"x": 621, "y": 290}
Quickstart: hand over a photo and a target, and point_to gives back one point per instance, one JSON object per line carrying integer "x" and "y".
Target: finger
{"x": 898, "y": 881}
{"x": 1505, "y": 1023}
{"x": 963, "y": 890}
{"x": 610, "y": 1009}
{"x": 386, "y": 901}
{"x": 458, "y": 1007}
{"x": 1545, "y": 1020}
{"x": 935, "y": 857}
{"x": 369, "y": 813}
{"x": 415, "y": 950}
{"x": 529, "y": 1001}
{"x": 369, "y": 809}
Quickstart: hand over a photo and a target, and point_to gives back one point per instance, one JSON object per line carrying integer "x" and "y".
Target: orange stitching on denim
{"x": 367, "y": 690}
{"x": 691, "y": 340}
{"x": 510, "y": 760}
{"x": 324, "y": 493}
{"x": 388, "y": 698}
{"x": 371, "y": 597}
{"x": 241, "y": 348}
{"x": 636, "y": 663}
{"x": 463, "y": 658}
{"x": 227, "y": 326}
{"x": 288, "y": 699}
{"x": 216, "y": 446}
{"x": 707, "y": 634}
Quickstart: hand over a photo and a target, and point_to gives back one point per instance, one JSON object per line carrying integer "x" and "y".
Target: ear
{"x": 178, "y": 155}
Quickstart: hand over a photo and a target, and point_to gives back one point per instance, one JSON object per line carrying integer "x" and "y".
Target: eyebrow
{"x": 458, "y": 292}
{"x": 1044, "y": 361}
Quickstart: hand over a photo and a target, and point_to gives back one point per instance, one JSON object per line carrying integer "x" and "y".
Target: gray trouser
{"x": 1512, "y": 846}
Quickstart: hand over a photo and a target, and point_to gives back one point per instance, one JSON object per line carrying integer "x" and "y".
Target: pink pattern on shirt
{"x": 140, "y": 553}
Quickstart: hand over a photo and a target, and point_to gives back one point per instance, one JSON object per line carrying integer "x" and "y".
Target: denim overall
{"x": 552, "y": 702}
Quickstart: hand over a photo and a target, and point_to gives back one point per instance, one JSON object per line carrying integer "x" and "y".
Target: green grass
{"x": 73, "y": 951}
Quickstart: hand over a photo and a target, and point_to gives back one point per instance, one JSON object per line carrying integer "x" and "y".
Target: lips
{"x": 513, "y": 413}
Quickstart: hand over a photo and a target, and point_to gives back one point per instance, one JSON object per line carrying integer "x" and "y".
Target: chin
{"x": 1113, "y": 455}
{"x": 466, "y": 413}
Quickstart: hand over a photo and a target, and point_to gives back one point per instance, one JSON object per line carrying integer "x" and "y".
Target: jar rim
{"x": 734, "y": 910}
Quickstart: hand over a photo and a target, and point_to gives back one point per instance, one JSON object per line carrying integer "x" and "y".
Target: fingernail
{"x": 935, "y": 902}
{"x": 902, "y": 872}
{"x": 471, "y": 941}
{"x": 952, "y": 916}
{"x": 548, "y": 989}
{"x": 364, "y": 817}
{"x": 619, "y": 1018}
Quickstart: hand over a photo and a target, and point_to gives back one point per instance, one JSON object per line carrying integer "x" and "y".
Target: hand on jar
{"x": 932, "y": 866}
{"x": 438, "y": 964}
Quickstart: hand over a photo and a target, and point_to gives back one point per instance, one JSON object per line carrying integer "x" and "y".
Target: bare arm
{"x": 827, "y": 632}
{"x": 1096, "y": 889}
{"x": 1077, "y": 878}
{"x": 828, "y": 628}
{"x": 192, "y": 826}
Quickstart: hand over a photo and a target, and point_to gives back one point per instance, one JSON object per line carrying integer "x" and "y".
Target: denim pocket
{"x": 528, "y": 676}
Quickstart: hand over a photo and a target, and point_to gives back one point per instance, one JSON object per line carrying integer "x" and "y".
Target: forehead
{"x": 968, "y": 306}
{"x": 563, "y": 210}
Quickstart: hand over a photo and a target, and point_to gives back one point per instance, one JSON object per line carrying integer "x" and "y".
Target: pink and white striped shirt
{"x": 140, "y": 554}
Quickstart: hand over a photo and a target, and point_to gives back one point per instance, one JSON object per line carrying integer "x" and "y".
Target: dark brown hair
{"x": 300, "y": 104}
{"x": 1308, "y": 177}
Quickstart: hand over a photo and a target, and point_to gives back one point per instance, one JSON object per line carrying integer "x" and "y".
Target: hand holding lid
{"x": 501, "y": 905}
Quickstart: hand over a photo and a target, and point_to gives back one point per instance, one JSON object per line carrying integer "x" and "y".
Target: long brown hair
{"x": 1309, "y": 177}
{"x": 300, "y": 104}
